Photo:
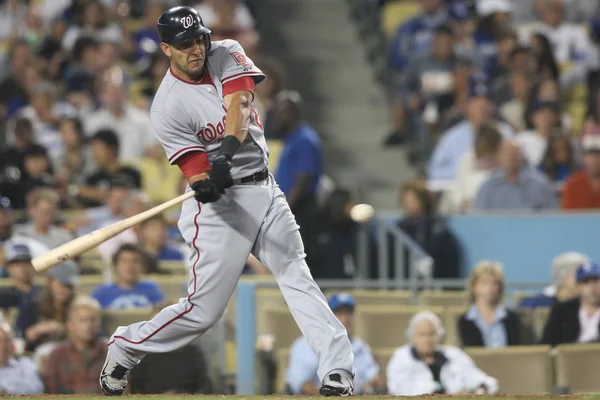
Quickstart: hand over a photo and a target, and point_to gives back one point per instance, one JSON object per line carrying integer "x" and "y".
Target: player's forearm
{"x": 238, "y": 114}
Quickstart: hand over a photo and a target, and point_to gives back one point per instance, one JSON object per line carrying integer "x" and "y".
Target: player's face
{"x": 188, "y": 57}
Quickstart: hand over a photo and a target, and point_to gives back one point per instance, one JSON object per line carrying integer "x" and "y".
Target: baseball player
{"x": 204, "y": 117}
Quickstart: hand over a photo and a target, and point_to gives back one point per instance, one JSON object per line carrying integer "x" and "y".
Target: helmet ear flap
{"x": 207, "y": 41}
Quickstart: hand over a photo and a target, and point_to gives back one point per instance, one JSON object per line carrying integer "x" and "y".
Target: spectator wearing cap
{"x": 577, "y": 320}
{"x": 301, "y": 375}
{"x": 564, "y": 284}
{"x": 428, "y": 89}
{"x": 487, "y": 322}
{"x": 42, "y": 228}
{"x": 20, "y": 271}
{"x": 514, "y": 186}
{"x": 118, "y": 114}
{"x": 425, "y": 366}
{"x": 581, "y": 191}
{"x": 18, "y": 375}
{"x": 545, "y": 117}
{"x": 104, "y": 148}
{"x": 128, "y": 290}
{"x": 43, "y": 320}
{"x": 413, "y": 37}
{"x": 73, "y": 366}
{"x": 456, "y": 142}
{"x": 13, "y": 88}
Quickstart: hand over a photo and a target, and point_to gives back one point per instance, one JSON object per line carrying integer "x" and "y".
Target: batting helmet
{"x": 178, "y": 24}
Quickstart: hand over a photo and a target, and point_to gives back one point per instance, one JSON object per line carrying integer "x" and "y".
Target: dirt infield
{"x": 275, "y": 397}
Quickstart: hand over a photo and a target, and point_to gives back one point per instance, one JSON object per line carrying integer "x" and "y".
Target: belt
{"x": 255, "y": 177}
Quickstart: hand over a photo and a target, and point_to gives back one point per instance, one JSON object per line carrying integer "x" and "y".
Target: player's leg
{"x": 221, "y": 235}
{"x": 280, "y": 248}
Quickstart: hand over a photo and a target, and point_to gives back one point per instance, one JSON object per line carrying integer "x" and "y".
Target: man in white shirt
{"x": 132, "y": 125}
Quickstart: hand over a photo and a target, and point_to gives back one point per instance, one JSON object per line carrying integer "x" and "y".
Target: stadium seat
{"x": 112, "y": 319}
{"x": 382, "y": 357}
{"x": 385, "y": 326}
{"x": 282, "y": 359}
{"x": 173, "y": 287}
{"x": 577, "y": 367}
{"x": 450, "y": 320}
{"x": 175, "y": 267}
{"x": 280, "y": 323}
{"x": 519, "y": 369}
{"x": 382, "y": 297}
{"x": 394, "y": 13}
{"x": 530, "y": 334}
{"x": 444, "y": 298}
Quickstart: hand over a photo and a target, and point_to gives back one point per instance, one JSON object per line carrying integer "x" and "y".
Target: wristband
{"x": 229, "y": 146}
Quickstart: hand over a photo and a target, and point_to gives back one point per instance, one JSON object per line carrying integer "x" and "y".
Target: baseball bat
{"x": 84, "y": 243}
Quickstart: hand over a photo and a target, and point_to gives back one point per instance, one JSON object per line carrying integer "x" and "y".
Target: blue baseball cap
{"x": 341, "y": 300}
{"x": 459, "y": 11}
{"x": 587, "y": 270}
{"x": 18, "y": 252}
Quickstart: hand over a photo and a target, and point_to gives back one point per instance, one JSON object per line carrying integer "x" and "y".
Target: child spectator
{"x": 488, "y": 323}
{"x": 128, "y": 291}
{"x": 18, "y": 375}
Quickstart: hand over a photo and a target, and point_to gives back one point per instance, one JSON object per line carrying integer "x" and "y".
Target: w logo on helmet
{"x": 187, "y": 21}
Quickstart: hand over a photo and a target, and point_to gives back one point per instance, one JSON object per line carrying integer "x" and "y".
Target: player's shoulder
{"x": 224, "y": 47}
{"x": 168, "y": 97}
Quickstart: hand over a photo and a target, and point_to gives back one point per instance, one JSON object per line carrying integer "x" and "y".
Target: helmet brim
{"x": 192, "y": 34}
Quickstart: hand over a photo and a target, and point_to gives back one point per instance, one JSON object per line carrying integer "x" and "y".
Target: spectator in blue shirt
{"x": 128, "y": 291}
{"x": 300, "y": 167}
{"x": 145, "y": 39}
{"x": 301, "y": 375}
{"x": 413, "y": 37}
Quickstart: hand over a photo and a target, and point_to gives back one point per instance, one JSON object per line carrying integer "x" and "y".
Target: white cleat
{"x": 113, "y": 378}
{"x": 336, "y": 385}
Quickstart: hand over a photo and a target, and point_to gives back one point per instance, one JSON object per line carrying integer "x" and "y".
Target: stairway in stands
{"x": 318, "y": 43}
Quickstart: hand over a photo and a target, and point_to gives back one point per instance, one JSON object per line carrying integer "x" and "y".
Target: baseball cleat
{"x": 336, "y": 385}
{"x": 113, "y": 378}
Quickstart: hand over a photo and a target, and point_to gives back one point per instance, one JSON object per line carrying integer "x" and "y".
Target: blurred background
{"x": 472, "y": 127}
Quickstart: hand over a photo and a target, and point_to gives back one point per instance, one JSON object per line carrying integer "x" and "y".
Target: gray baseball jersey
{"x": 191, "y": 116}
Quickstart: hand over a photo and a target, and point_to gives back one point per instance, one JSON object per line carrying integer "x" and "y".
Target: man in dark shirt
{"x": 12, "y": 160}
{"x": 104, "y": 148}
{"x": 20, "y": 270}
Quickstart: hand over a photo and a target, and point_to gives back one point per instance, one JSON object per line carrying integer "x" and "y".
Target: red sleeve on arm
{"x": 193, "y": 163}
{"x": 243, "y": 83}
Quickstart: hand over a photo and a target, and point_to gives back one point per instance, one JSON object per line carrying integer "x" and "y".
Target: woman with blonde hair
{"x": 424, "y": 366}
{"x": 487, "y": 322}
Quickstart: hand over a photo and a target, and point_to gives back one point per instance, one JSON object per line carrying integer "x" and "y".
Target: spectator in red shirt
{"x": 582, "y": 189}
{"x": 73, "y": 366}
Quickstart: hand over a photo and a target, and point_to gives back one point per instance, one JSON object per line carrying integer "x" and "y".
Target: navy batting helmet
{"x": 178, "y": 24}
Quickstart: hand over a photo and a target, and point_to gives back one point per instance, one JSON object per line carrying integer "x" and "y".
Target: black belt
{"x": 255, "y": 177}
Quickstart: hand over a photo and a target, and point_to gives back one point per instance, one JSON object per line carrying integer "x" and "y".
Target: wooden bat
{"x": 84, "y": 243}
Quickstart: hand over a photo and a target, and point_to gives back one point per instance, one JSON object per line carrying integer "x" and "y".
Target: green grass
{"x": 274, "y": 397}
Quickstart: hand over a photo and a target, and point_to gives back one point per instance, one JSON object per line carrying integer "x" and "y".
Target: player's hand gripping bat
{"x": 84, "y": 243}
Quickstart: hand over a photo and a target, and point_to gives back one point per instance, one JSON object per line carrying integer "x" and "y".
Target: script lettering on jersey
{"x": 213, "y": 131}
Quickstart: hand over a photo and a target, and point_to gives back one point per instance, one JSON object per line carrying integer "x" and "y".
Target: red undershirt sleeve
{"x": 193, "y": 163}
{"x": 242, "y": 83}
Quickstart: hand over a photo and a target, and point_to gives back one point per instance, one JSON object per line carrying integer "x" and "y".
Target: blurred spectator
{"x": 12, "y": 18}
{"x": 300, "y": 167}
{"x": 456, "y": 142}
{"x": 42, "y": 211}
{"x": 428, "y": 230}
{"x": 18, "y": 375}
{"x": 230, "y": 19}
{"x": 518, "y": 60}
{"x": 80, "y": 75}
{"x": 183, "y": 371}
{"x": 91, "y": 20}
{"x": 460, "y": 22}
{"x": 128, "y": 291}
{"x": 73, "y": 367}
{"x": 151, "y": 79}
{"x": 564, "y": 284}
{"x": 474, "y": 168}
{"x": 265, "y": 93}
{"x": 428, "y": 89}
{"x": 513, "y": 111}
{"x": 145, "y": 39}
{"x": 577, "y": 320}
{"x": 425, "y": 366}
{"x": 301, "y": 375}
{"x": 507, "y": 43}
{"x": 154, "y": 240}
{"x": 43, "y": 320}
{"x": 514, "y": 186}
{"x": 545, "y": 118}
{"x": 13, "y": 88}
{"x": 12, "y": 160}
{"x": 592, "y": 122}
{"x": 559, "y": 162}
{"x": 104, "y": 149}
{"x": 20, "y": 271}
{"x": 493, "y": 23}
{"x": 38, "y": 174}
{"x": 582, "y": 189}
{"x": 488, "y": 323}
{"x": 413, "y": 38}
{"x": 547, "y": 67}
{"x": 131, "y": 125}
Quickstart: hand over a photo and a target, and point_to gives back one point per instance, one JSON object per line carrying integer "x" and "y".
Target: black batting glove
{"x": 220, "y": 173}
{"x": 206, "y": 191}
